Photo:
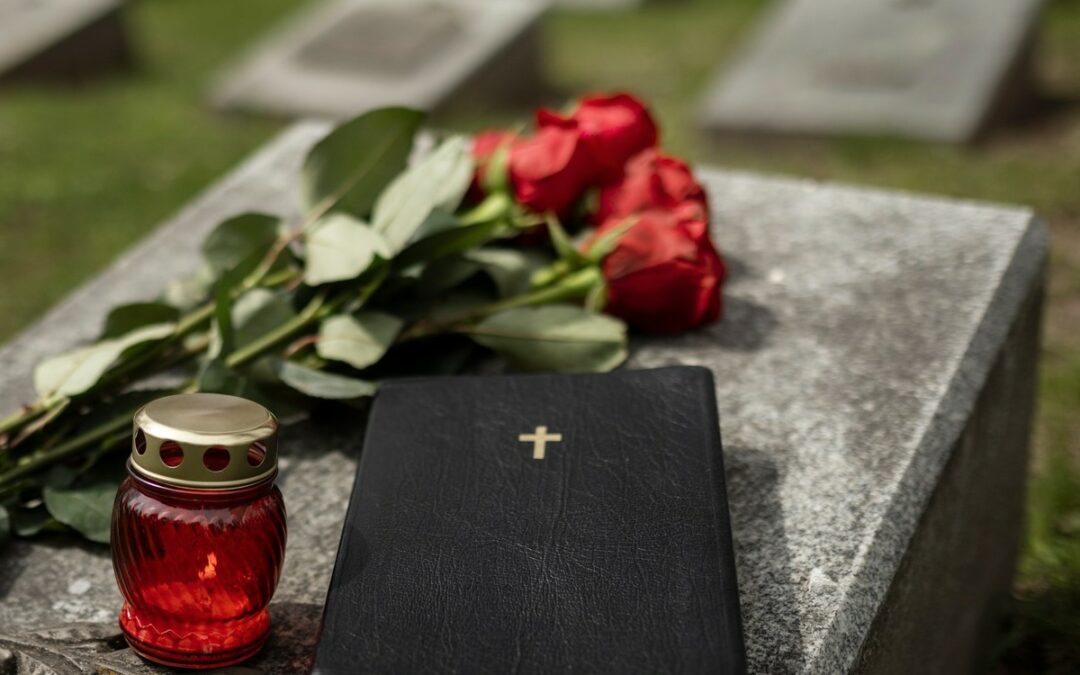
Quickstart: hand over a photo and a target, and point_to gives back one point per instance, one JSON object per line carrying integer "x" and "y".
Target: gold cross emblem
{"x": 540, "y": 438}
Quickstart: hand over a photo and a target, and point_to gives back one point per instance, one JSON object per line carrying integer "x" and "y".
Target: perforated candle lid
{"x": 205, "y": 441}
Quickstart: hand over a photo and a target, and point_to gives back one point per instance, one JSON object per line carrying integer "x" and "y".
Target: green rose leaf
{"x": 319, "y": 384}
{"x": 224, "y": 335}
{"x": 446, "y": 242}
{"x": 354, "y": 163}
{"x": 340, "y": 247}
{"x": 238, "y": 238}
{"x": 77, "y": 371}
{"x": 217, "y": 378}
{"x": 562, "y": 338}
{"x": 186, "y": 293}
{"x": 359, "y": 340}
{"x": 126, "y": 318}
{"x": 85, "y": 508}
{"x": 510, "y": 269}
{"x": 251, "y": 316}
{"x": 439, "y": 181}
{"x": 259, "y": 311}
{"x": 436, "y": 222}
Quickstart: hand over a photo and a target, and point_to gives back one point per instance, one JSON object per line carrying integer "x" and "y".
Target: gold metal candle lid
{"x": 205, "y": 441}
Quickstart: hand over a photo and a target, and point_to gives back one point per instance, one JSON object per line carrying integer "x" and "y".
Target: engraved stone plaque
{"x": 939, "y": 70}
{"x": 343, "y": 57}
{"x": 387, "y": 41}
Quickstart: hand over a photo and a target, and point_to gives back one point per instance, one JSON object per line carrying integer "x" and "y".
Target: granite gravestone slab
{"x": 61, "y": 39}
{"x": 938, "y": 70}
{"x": 874, "y": 376}
{"x": 344, "y": 57}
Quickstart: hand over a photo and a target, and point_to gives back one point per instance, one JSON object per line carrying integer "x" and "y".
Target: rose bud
{"x": 485, "y": 145}
{"x": 548, "y": 171}
{"x": 614, "y": 129}
{"x": 651, "y": 180}
{"x": 485, "y": 177}
{"x": 661, "y": 277}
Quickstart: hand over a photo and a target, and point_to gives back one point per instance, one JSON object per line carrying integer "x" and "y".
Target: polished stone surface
{"x": 861, "y": 327}
{"x": 340, "y": 58}
{"x": 940, "y": 70}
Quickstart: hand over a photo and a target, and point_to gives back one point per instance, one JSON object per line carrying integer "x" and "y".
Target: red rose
{"x": 613, "y": 129}
{"x": 651, "y": 180}
{"x": 663, "y": 277}
{"x": 549, "y": 171}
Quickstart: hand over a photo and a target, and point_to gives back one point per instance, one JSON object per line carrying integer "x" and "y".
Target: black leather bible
{"x": 538, "y": 524}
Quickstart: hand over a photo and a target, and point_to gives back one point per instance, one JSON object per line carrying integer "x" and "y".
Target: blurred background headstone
{"x": 938, "y": 70}
{"x": 61, "y": 40}
{"x": 347, "y": 56}
{"x": 599, "y": 4}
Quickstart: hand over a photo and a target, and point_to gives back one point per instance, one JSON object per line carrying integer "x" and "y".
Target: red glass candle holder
{"x": 198, "y": 531}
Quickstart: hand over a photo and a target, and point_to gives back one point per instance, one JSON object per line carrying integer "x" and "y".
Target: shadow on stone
{"x": 737, "y": 269}
{"x": 767, "y": 589}
{"x": 292, "y": 642}
{"x": 13, "y": 557}
{"x": 745, "y": 326}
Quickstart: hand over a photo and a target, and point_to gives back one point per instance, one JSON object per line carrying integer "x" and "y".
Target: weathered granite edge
{"x": 874, "y": 573}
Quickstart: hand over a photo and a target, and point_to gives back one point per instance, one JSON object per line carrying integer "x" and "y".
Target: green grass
{"x": 86, "y": 171}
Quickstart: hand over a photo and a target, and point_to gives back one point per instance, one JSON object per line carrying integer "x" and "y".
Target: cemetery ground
{"x": 86, "y": 171}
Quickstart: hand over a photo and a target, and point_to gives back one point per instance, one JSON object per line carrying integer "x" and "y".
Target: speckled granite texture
{"x": 861, "y": 328}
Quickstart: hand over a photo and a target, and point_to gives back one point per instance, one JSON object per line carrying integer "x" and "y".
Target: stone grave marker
{"x": 874, "y": 374}
{"x": 343, "y": 57}
{"x": 61, "y": 39}
{"x": 937, "y": 70}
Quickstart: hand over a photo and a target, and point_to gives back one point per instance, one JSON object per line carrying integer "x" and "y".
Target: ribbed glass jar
{"x": 197, "y": 564}
{"x": 197, "y": 569}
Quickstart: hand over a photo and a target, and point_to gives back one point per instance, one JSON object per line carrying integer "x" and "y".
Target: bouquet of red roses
{"x": 404, "y": 262}
{"x": 600, "y": 164}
